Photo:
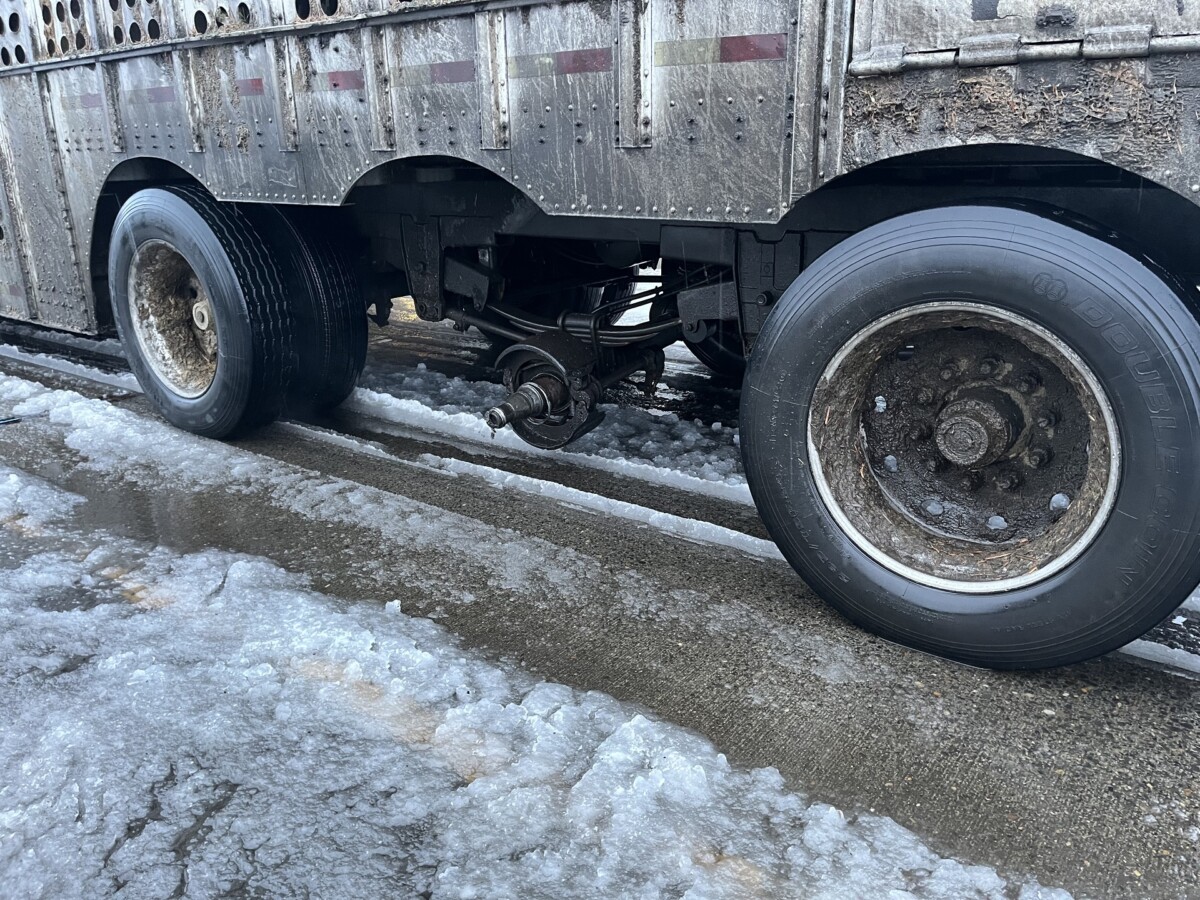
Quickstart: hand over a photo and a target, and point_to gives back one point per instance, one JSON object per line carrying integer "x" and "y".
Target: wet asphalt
{"x": 1087, "y": 777}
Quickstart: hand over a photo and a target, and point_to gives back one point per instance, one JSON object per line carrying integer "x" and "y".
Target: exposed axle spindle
{"x": 532, "y": 400}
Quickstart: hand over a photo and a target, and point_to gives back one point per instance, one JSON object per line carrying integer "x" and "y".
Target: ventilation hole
{"x": 2, "y": 19}
{"x": 1, "y": 234}
{"x": 222, "y": 15}
{"x": 76, "y": 11}
{"x": 329, "y": 7}
{"x": 51, "y": 47}
{"x": 152, "y": 30}
{"x": 243, "y": 13}
{"x": 80, "y": 39}
{"x": 65, "y": 43}
{"x": 45, "y": 15}
{"x": 14, "y": 23}
{"x": 135, "y": 32}
{"x": 130, "y": 3}
{"x": 201, "y": 22}
{"x": 118, "y": 35}
{"x": 302, "y": 9}
{"x": 114, "y": 4}
{"x": 19, "y": 51}
{"x": 5, "y": 57}
{"x": 60, "y": 11}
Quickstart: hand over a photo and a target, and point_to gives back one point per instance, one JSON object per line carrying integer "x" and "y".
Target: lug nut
{"x": 920, "y": 431}
{"x": 1040, "y": 456}
{"x": 1008, "y": 481}
{"x": 1047, "y": 419}
{"x": 949, "y": 371}
{"x": 1028, "y": 383}
{"x": 990, "y": 366}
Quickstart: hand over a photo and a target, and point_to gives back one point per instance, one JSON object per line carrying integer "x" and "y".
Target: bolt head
{"x": 989, "y": 366}
{"x": 1047, "y": 419}
{"x": 920, "y": 431}
{"x": 1040, "y": 456}
{"x": 1028, "y": 383}
{"x": 1008, "y": 481}
{"x": 948, "y": 372}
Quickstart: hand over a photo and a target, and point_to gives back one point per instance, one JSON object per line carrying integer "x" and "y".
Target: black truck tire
{"x": 201, "y": 310}
{"x": 327, "y": 305}
{"x": 721, "y": 351}
{"x": 918, "y": 394}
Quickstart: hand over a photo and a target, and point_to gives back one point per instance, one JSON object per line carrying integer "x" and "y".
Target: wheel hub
{"x": 975, "y": 431}
{"x": 964, "y": 447}
{"x": 202, "y": 315}
{"x": 172, "y": 319}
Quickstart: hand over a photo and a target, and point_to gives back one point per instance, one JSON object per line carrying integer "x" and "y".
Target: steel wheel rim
{"x": 172, "y": 319}
{"x": 863, "y": 500}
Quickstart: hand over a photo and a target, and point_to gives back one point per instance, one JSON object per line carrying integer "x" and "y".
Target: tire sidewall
{"x": 158, "y": 215}
{"x": 1102, "y": 303}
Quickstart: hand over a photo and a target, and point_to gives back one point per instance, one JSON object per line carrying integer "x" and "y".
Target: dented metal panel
{"x": 330, "y": 83}
{"x": 435, "y": 95}
{"x": 153, "y": 111}
{"x": 562, "y": 96}
{"x": 39, "y": 209}
{"x": 247, "y": 145}
{"x": 14, "y": 282}
{"x": 722, "y": 99}
{"x": 87, "y": 139}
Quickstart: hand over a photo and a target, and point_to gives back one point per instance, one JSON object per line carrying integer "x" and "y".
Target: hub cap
{"x": 964, "y": 447}
{"x": 172, "y": 319}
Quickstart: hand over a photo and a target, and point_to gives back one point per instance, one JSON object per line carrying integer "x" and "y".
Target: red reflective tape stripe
{"x": 161, "y": 94}
{"x": 457, "y": 72}
{"x": 91, "y": 101}
{"x": 250, "y": 87}
{"x": 350, "y": 80}
{"x": 750, "y": 47}
{"x": 571, "y": 62}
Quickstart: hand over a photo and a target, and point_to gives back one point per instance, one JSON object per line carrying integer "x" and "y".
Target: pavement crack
{"x": 195, "y": 833}
{"x": 135, "y": 827}
{"x": 71, "y": 664}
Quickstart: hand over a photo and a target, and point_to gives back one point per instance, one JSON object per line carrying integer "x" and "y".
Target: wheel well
{"x": 127, "y": 178}
{"x": 423, "y": 216}
{"x": 1113, "y": 198}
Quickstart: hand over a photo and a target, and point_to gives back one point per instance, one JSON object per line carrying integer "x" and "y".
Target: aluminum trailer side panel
{"x": 660, "y": 110}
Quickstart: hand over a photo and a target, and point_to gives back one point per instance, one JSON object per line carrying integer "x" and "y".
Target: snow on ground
{"x": 647, "y": 444}
{"x": 207, "y": 724}
{"x": 115, "y": 442}
{"x": 688, "y": 529}
{"x": 126, "y": 381}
